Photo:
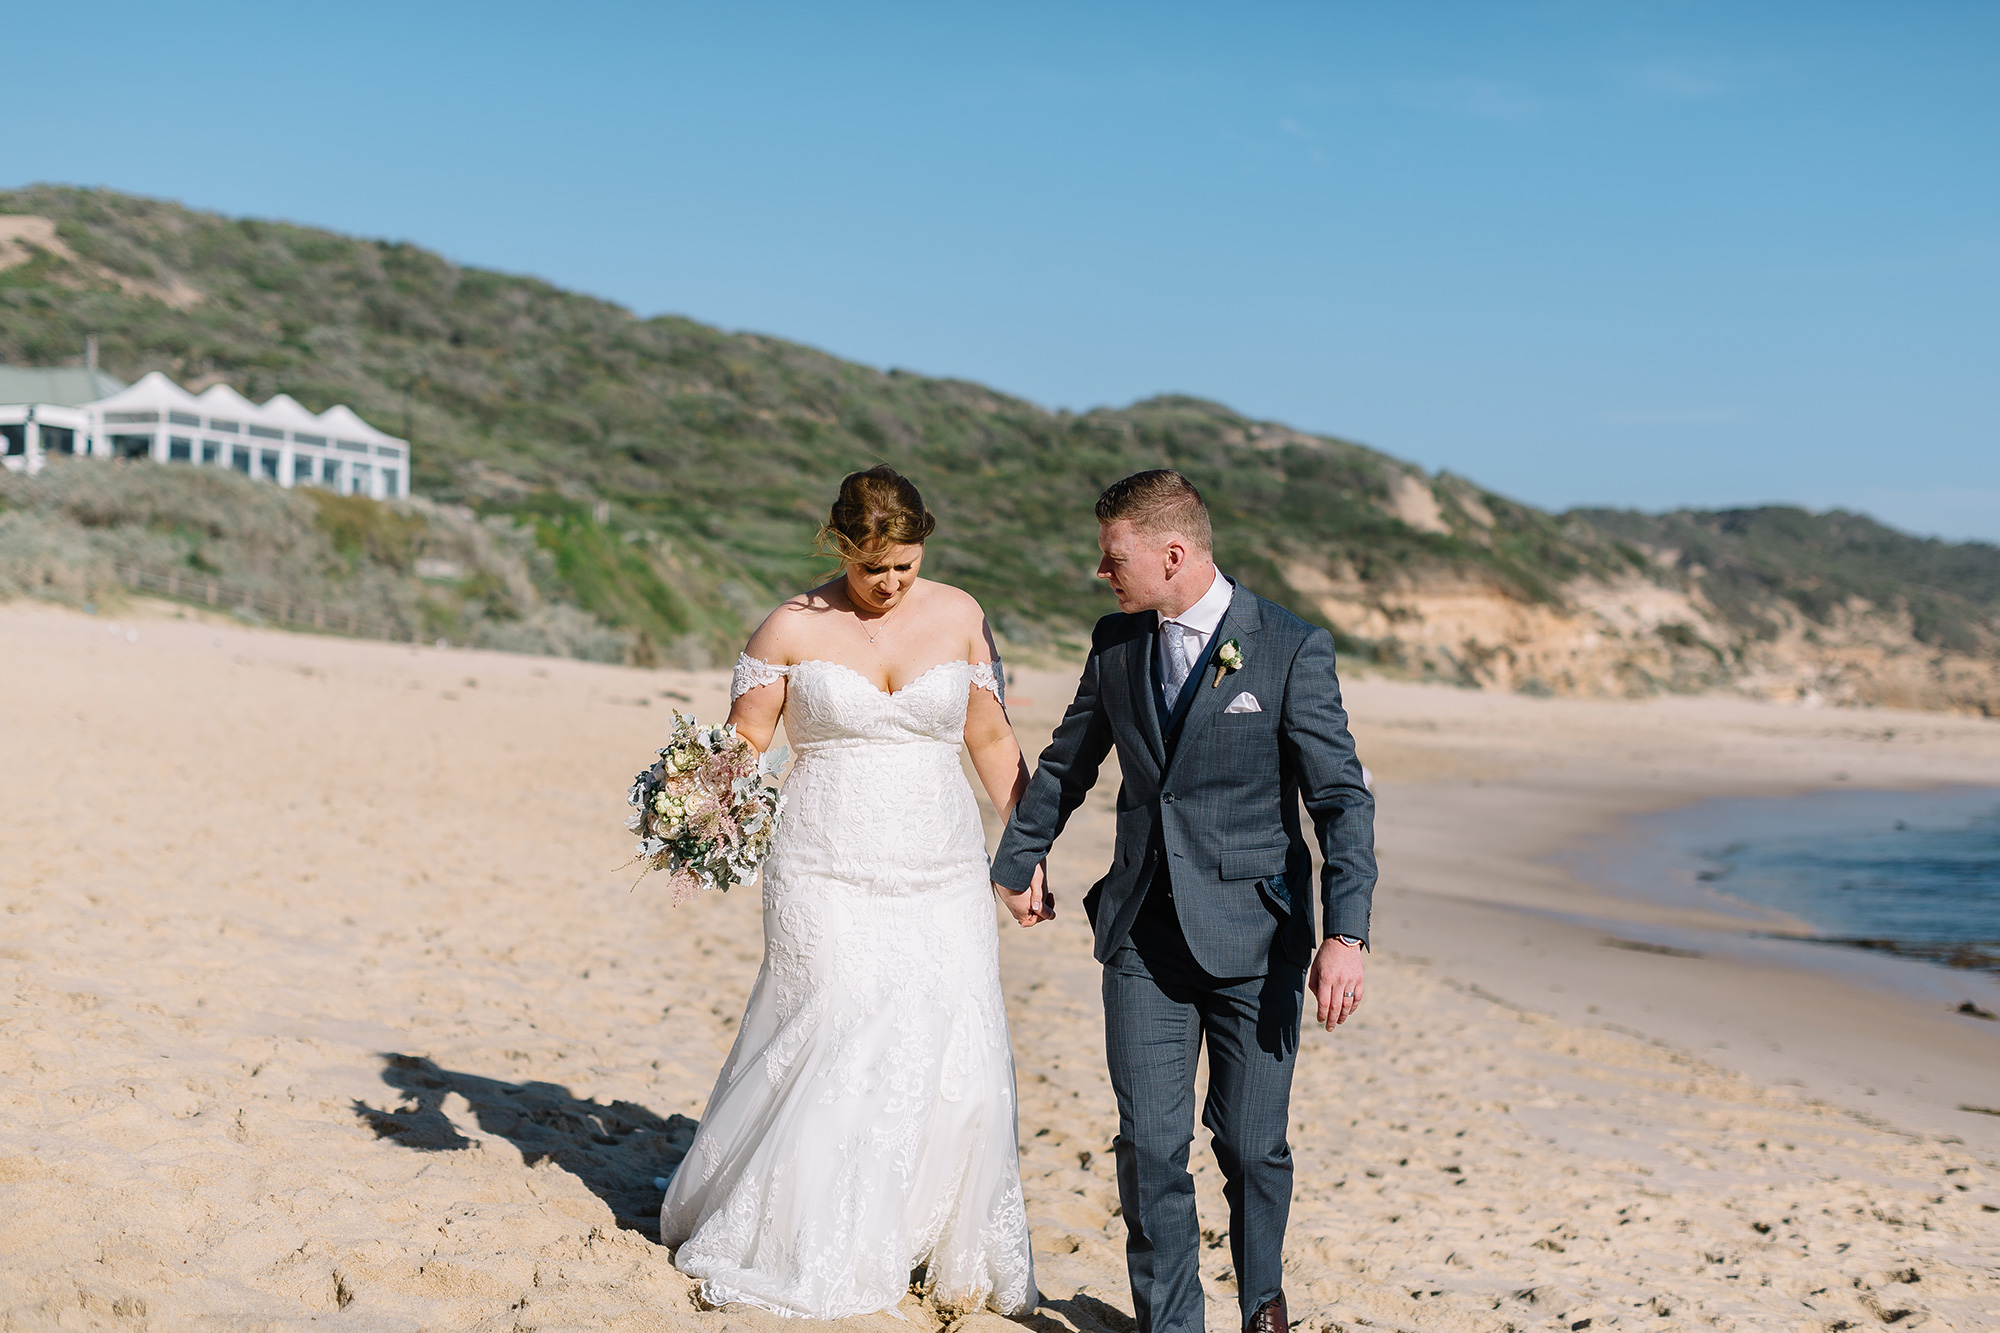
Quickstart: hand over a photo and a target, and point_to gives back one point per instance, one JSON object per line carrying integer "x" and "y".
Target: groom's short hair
{"x": 1156, "y": 502}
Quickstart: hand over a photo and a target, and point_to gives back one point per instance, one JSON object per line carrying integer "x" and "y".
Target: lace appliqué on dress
{"x": 865, "y": 1122}
{"x": 987, "y": 676}
{"x": 752, "y": 672}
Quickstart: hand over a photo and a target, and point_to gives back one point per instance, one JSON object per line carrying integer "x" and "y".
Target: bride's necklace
{"x": 881, "y": 623}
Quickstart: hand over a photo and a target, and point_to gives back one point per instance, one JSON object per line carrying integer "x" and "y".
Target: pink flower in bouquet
{"x": 704, "y": 811}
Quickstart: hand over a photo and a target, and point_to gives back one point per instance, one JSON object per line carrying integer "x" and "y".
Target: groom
{"x": 1225, "y": 712}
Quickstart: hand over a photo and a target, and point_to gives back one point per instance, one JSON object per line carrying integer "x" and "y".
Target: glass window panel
{"x": 267, "y": 463}
{"x": 58, "y": 439}
{"x": 267, "y": 433}
{"x": 183, "y": 419}
{"x": 180, "y": 449}
{"x": 329, "y": 471}
{"x": 211, "y": 450}
{"x": 15, "y": 433}
{"x": 302, "y": 469}
{"x": 227, "y": 427}
{"x": 131, "y": 418}
{"x": 239, "y": 458}
{"x": 362, "y": 480}
{"x": 391, "y": 479}
{"x": 132, "y": 446}
{"x": 302, "y": 438}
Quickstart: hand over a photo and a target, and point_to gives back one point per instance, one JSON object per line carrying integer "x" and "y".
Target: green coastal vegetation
{"x": 597, "y": 483}
{"x": 1751, "y": 563}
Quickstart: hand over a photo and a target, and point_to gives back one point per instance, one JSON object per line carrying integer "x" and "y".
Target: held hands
{"x": 1034, "y": 903}
{"x": 1335, "y": 982}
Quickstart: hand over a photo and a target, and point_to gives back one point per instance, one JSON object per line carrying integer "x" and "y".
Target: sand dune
{"x": 327, "y": 1001}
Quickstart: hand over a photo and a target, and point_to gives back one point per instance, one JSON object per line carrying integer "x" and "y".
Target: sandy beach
{"x": 328, "y": 1000}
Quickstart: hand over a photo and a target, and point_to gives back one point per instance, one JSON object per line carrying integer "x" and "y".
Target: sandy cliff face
{"x": 1632, "y": 637}
{"x": 1767, "y": 603}
{"x": 1868, "y": 657}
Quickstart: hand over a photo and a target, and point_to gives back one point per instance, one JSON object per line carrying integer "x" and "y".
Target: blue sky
{"x": 1586, "y": 253}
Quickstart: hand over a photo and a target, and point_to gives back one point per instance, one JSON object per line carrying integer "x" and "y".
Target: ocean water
{"x": 1901, "y": 872}
{"x": 1928, "y": 876}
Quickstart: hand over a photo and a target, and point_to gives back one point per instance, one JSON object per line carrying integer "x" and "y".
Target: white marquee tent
{"x": 159, "y": 420}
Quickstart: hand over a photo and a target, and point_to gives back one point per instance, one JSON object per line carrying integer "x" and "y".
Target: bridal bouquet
{"x": 704, "y": 812}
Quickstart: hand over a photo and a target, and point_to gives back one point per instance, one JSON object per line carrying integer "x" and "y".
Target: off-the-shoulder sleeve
{"x": 752, "y": 672}
{"x": 991, "y": 676}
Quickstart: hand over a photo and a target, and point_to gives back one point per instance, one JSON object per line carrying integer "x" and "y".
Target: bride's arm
{"x": 756, "y": 713}
{"x": 757, "y": 710}
{"x": 989, "y": 737}
{"x": 996, "y": 757}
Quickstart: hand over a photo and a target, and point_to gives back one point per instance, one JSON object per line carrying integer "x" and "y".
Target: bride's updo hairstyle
{"x": 877, "y": 509}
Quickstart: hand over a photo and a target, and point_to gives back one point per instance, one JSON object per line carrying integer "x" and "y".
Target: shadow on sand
{"x": 615, "y": 1150}
{"x": 1084, "y": 1312}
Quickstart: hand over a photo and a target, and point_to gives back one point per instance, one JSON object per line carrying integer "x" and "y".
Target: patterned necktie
{"x": 1177, "y": 663}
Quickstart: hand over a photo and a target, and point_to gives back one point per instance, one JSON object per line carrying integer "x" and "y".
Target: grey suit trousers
{"x": 1159, "y": 1007}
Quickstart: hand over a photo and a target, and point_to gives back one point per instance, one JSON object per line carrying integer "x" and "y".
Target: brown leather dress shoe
{"x": 1270, "y": 1317}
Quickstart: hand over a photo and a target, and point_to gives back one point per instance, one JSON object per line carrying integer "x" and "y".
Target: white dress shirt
{"x": 1198, "y": 624}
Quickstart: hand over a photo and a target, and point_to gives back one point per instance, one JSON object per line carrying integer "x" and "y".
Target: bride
{"x": 864, "y": 1124}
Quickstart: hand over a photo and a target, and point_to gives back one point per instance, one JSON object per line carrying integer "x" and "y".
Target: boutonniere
{"x": 1228, "y": 658}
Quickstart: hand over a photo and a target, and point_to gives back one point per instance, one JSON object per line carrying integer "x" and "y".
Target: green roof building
{"x": 59, "y": 386}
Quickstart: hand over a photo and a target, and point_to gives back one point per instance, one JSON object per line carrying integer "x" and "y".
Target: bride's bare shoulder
{"x": 783, "y": 635}
{"x": 956, "y": 611}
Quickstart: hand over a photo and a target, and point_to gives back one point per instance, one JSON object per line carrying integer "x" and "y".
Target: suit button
{"x": 1167, "y": 798}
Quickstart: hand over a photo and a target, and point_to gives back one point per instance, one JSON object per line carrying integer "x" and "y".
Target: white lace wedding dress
{"x": 864, "y": 1123}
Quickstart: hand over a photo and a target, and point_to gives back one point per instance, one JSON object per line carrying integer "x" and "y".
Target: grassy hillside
{"x": 717, "y": 452}
{"x": 664, "y": 478}
{"x": 409, "y": 571}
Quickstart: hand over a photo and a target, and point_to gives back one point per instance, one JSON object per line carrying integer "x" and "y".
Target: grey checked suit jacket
{"x": 1216, "y": 798}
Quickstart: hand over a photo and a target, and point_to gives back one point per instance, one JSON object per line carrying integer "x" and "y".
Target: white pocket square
{"x": 1245, "y": 702}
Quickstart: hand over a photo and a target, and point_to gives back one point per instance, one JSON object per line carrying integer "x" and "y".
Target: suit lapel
{"x": 1241, "y": 620}
{"x": 1142, "y": 652}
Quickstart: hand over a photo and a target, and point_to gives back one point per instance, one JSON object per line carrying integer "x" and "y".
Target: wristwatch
{"x": 1351, "y": 941}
